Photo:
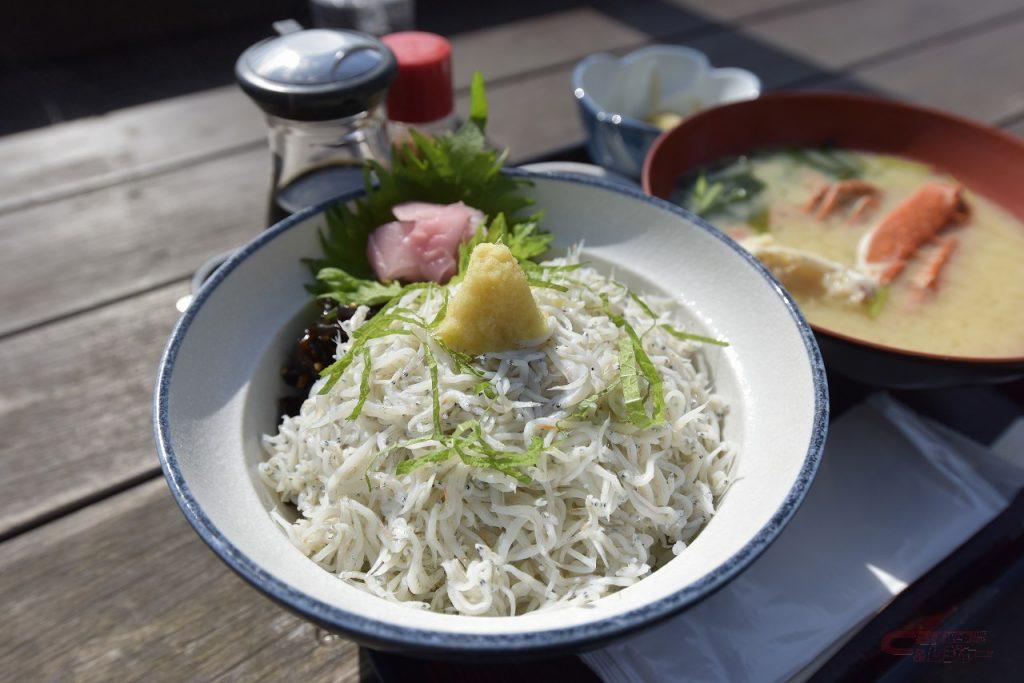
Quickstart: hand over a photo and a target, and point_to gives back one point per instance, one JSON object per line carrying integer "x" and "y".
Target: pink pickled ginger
{"x": 423, "y": 244}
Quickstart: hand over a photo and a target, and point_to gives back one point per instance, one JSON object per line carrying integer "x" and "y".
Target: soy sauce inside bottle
{"x": 323, "y": 92}
{"x": 307, "y": 172}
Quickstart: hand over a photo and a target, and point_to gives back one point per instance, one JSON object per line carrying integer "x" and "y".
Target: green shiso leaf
{"x": 643, "y": 305}
{"x": 336, "y": 369}
{"x": 832, "y": 162}
{"x": 463, "y": 362}
{"x": 476, "y": 452}
{"x": 486, "y": 388}
{"x": 629, "y": 374}
{"x": 638, "y": 363}
{"x": 380, "y": 454}
{"x": 453, "y": 167}
{"x": 407, "y": 466}
{"x": 478, "y": 101}
{"x": 435, "y": 392}
{"x": 878, "y": 302}
{"x": 649, "y": 372}
{"x": 472, "y": 448}
{"x": 352, "y": 291}
{"x": 687, "y": 336}
{"x": 760, "y": 221}
{"x": 587, "y": 406}
{"x": 374, "y": 328}
{"x": 524, "y": 240}
{"x": 545, "y": 284}
{"x": 441, "y": 312}
{"x": 364, "y": 384}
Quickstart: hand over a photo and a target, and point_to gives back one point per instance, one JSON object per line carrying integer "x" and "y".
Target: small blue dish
{"x": 616, "y": 97}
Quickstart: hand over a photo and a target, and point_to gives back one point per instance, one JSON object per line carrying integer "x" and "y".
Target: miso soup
{"x": 876, "y": 247}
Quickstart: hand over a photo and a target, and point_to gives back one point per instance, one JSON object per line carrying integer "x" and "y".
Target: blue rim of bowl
{"x": 572, "y": 638}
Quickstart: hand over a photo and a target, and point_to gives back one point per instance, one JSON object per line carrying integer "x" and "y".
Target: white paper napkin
{"x": 895, "y": 494}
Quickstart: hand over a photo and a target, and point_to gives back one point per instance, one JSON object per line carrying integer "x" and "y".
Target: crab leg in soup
{"x": 900, "y": 234}
{"x": 830, "y": 198}
{"x": 865, "y": 243}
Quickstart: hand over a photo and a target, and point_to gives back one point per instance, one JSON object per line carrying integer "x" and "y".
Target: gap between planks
{"x": 152, "y": 470}
{"x": 953, "y": 35}
{"x": 124, "y": 590}
{"x": 711, "y": 26}
{"x": 543, "y": 89}
{"x": 706, "y": 25}
{"x": 95, "y": 389}
{"x": 41, "y": 517}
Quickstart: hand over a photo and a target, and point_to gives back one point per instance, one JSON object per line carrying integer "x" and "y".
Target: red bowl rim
{"x": 797, "y": 96}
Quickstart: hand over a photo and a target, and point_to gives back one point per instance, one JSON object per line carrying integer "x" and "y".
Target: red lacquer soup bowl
{"x": 986, "y": 160}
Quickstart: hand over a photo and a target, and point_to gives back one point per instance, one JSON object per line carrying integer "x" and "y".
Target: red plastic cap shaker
{"x": 422, "y": 92}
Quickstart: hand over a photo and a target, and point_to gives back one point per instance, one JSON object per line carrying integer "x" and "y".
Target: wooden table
{"x": 103, "y": 220}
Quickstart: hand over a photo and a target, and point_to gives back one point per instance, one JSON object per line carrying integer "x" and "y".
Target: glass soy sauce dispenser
{"x": 322, "y": 91}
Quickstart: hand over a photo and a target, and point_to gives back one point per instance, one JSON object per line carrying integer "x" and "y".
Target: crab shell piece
{"x": 807, "y": 273}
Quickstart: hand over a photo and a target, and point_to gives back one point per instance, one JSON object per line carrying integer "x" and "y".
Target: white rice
{"x": 606, "y": 504}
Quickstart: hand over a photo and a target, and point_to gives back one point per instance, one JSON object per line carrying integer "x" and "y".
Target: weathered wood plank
{"x": 538, "y": 114}
{"x": 124, "y": 590}
{"x": 91, "y": 153}
{"x": 101, "y": 151}
{"x": 993, "y": 91}
{"x": 63, "y": 256}
{"x": 539, "y": 42}
{"x": 158, "y": 237}
{"x": 147, "y": 217}
{"x": 743, "y": 9}
{"x": 122, "y": 239}
{"x": 838, "y": 36}
{"x": 76, "y": 405}
{"x": 977, "y": 75}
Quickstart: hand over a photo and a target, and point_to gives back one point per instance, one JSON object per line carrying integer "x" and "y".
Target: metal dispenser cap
{"x": 317, "y": 74}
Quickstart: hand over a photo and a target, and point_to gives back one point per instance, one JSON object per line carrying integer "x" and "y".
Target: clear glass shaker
{"x": 375, "y": 17}
{"x": 323, "y": 92}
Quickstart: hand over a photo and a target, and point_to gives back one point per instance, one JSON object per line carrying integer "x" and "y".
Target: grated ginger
{"x": 493, "y": 308}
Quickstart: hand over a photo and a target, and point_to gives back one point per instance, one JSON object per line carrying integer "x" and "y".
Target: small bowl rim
{"x": 645, "y": 180}
{"x": 604, "y": 115}
{"x": 423, "y": 641}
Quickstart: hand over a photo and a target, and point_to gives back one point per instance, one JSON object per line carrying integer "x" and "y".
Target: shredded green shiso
{"x": 638, "y": 378}
{"x": 728, "y": 188}
{"x": 689, "y": 336}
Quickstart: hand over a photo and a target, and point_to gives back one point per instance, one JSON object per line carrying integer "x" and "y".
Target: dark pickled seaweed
{"x": 313, "y": 352}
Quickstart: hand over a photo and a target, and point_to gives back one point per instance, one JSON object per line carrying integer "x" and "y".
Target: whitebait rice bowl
{"x": 511, "y": 481}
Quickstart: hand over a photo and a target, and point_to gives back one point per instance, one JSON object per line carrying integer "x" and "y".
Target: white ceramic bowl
{"x": 219, "y": 382}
